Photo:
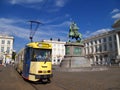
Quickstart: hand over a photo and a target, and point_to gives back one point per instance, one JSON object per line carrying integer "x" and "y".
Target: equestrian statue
{"x": 73, "y": 32}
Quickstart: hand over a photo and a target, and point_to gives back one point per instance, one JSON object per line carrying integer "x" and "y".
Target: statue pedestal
{"x": 74, "y": 56}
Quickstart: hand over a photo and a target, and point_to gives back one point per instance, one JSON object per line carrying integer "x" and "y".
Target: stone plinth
{"x": 74, "y": 56}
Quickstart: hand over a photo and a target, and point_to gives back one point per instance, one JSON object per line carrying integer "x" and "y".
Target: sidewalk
{"x": 11, "y": 80}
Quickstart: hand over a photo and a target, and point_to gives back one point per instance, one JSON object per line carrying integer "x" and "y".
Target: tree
{"x": 13, "y": 55}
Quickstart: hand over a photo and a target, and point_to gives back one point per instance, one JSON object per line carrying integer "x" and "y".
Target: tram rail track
{"x": 51, "y": 86}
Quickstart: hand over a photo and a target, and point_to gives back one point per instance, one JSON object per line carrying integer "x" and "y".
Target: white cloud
{"x": 25, "y": 1}
{"x": 101, "y": 31}
{"x": 115, "y": 13}
{"x": 53, "y": 31}
{"x": 44, "y": 32}
{"x": 115, "y": 10}
{"x": 8, "y": 27}
{"x": 4, "y": 20}
{"x": 55, "y": 5}
{"x": 86, "y": 34}
{"x": 9, "y": 21}
{"x": 116, "y": 16}
{"x": 48, "y": 5}
{"x": 35, "y": 4}
{"x": 60, "y": 3}
{"x": 89, "y": 33}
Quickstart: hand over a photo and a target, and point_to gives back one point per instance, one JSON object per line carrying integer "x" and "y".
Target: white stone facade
{"x": 103, "y": 49}
{"x": 58, "y": 51}
{"x": 6, "y": 47}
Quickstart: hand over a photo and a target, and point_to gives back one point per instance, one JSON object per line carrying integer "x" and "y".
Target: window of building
{"x": 2, "y": 49}
{"x": 54, "y": 60}
{"x": 99, "y": 40}
{"x": 8, "y": 42}
{"x": 100, "y": 57}
{"x": 8, "y": 49}
{"x": 87, "y": 44}
{"x": 115, "y": 43}
{"x": 91, "y": 43}
{"x": 114, "y": 37}
{"x": 95, "y": 41}
{"x": 96, "y": 48}
{"x": 110, "y": 38}
{"x": 96, "y": 59}
{"x": 3, "y": 42}
{"x": 105, "y": 47}
{"x": 104, "y": 39}
{"x": 58, "y": 60}
{"x": 110, "y": 46}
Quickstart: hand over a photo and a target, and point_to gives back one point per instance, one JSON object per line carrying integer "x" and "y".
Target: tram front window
{"x": 41, "y": 55}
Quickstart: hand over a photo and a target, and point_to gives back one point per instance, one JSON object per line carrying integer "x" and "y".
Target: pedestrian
{"x": 0, "y": 61}
{"x": 7, "y": 61}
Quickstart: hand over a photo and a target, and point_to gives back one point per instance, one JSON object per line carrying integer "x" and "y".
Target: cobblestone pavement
{"x": 11, "y": 80}
{"x": 95, "y": 80}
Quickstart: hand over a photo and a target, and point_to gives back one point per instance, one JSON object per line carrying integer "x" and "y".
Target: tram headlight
{"x": 39, "y": 71}
{"x": 48, "y": 71}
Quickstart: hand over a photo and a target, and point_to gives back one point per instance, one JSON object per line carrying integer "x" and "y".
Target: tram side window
{"x": 41, "y": 55}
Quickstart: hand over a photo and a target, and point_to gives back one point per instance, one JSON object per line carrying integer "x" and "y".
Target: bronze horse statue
{"x": 73, "y": 32}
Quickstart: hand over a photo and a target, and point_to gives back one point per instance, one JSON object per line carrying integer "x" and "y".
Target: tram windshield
{"x": 41, "y": 55}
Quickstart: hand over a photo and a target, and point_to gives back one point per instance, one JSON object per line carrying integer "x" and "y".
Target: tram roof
{"x": 41, "y": 45}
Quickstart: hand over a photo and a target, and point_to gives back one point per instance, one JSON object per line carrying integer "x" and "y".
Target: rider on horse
{"x": 73, "y": 32}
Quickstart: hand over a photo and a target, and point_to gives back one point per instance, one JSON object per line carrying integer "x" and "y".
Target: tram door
{"x": 26, "y": 64}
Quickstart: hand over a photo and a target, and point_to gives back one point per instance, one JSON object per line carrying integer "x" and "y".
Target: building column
{"x": 99, "y": 60}
{"x": 95, "y": 59}
{"x": 118, "y": 43}
{"x": 103, "y": 60}
{"x": 86, "y": 50}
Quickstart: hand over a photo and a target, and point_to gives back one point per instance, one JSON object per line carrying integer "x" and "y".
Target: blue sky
{"x": 91, "y": 16}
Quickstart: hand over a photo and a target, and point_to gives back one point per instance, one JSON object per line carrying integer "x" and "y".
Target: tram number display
{"x": 43, "y": 45}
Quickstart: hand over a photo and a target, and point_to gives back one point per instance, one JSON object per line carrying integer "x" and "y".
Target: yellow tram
{"x": 34, "y": 61}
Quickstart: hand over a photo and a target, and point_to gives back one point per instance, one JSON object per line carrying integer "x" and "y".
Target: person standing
{"x": 1, "y": 60}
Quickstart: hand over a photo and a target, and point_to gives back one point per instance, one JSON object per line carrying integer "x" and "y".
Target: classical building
{"x": 58, "y": 50}
{"x": 104, "y": 48}
{"x": 6, "y": 47}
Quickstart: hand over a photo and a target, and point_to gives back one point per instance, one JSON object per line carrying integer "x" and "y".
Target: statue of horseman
{"x": 73, "y": 32}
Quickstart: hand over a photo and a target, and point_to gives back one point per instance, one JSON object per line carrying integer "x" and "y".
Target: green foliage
{"x": 13, "y": 55}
